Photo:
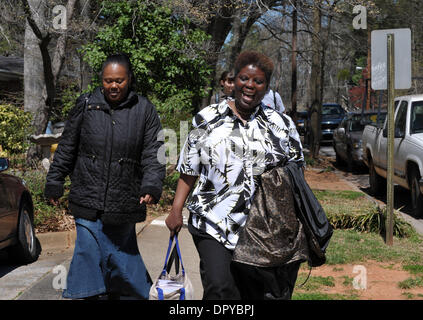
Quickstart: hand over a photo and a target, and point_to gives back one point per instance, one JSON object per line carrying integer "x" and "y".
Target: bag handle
{"x": 173, "y": 257}
{"x": 168, "y": 253}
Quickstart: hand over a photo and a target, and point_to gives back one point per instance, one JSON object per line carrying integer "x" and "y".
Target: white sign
{"x": 379, "y": 48}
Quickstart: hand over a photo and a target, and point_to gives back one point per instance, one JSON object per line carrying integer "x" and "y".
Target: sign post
{"x": 391, "y": 69}
{"x": 390, "y": 147}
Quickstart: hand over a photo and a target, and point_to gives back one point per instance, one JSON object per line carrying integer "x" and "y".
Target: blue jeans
{"x": 106, "y": 259}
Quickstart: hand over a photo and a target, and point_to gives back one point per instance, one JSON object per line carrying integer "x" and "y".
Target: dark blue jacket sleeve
{"x": 66, "y": 152}
{"x": 153, "y": 165}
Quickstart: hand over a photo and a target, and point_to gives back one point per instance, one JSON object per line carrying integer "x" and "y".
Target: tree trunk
{"x": 239, "y": 33}
{"x": 40, "y": 73}
{"x": 218, "y": 28}
{"x": 35, "y": 90}
{"x": 60, "y": 52}
{"x": 316, "y": 85}
{"x": 294, "y": 64}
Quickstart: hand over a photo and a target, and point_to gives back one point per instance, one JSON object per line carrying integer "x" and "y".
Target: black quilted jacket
{"x": 111, "y": 156}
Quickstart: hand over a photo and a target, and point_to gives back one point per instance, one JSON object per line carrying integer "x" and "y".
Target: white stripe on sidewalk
{"x": 162, "y": 223}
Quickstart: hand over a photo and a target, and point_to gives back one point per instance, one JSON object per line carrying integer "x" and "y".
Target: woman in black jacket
{"x": 110, "y": 150}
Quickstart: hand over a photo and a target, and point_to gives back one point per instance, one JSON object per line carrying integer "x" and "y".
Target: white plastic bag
{"x": 172, "y": 287}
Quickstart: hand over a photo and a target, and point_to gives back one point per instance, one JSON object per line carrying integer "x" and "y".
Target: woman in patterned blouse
{"x": 231, "y": 145}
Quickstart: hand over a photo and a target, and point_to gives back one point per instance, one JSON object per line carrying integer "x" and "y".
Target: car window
{"x": 374, "y": 118}
{"x": 416, "y": 117}
{"x": 357, "y": 125}
{"x": 401, "y": 118}
{"x": 331, "y": 110}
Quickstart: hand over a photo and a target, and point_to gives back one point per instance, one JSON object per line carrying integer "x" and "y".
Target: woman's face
{"x": 227, "y": 85}
{"x": 250, "y": 87}
{"x": 115, "y": 82}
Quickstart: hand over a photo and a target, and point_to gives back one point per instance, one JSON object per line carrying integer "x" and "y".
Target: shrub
{"x": 14, "y": 129}
{"x": 372, "y": 221}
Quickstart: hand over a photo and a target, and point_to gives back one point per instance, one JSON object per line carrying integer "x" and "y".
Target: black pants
{"x": 223, "y": 279}
{"x": 258, "y": 283}
{"x": 215, "y": 267}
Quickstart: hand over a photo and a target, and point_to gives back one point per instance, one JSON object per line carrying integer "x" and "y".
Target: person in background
{"x": 109, "y": 149}
{"x": 226, "y": 82}
{"x": 232, "y": 144}
{"x": 273, "y": 100}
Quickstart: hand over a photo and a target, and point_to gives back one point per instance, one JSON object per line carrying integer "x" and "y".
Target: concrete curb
{"x": 66, "y": 239}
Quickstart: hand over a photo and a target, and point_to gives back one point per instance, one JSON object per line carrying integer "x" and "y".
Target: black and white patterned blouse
{"x": 228, "y": 156}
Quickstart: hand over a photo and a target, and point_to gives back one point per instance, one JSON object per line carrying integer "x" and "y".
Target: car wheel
{"x": 416, "y": 195}
{"x": 28, "y": 248}
{"x": 377, "y": 183}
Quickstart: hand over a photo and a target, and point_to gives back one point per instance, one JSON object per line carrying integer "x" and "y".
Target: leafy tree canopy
{"x": 167, "y": 55}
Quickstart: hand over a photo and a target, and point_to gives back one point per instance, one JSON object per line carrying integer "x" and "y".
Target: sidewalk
{"x": 153, "y": 240}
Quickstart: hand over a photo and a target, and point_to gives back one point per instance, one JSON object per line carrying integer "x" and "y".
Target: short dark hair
{"x": 123, "y": 60}
{"x": 226, "y": 75}
{"x": 257, "y": 59}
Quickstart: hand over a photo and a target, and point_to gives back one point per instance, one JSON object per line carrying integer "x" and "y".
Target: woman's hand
{"x": 53, "y": 202}
{"x": 147, "y": 199}
{"x": 174, "y": 221}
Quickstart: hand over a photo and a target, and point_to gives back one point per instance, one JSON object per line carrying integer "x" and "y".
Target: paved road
{"x": 33, "y": 281}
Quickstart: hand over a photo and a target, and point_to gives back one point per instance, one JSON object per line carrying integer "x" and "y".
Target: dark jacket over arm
{"x": 66, "y": 152}
{"x": 152, "y": 167}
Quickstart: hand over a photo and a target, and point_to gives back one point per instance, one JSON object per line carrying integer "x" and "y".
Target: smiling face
{"x": 115, "y": 82}
{"x": 250, "y": 88}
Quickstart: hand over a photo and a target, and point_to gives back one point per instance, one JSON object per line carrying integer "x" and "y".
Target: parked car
{"x": 17, "y": 233}
{"x": 408, "y": 154}
{"x": 347, "y": 137}
{"x": 332, "y": 115}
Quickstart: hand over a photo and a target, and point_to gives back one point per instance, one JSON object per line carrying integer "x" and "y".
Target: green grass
{"x": 314, "y": 282}
{"x": 344, "y": 202}
{"x": 411, "y": 283}
{"x": 414, "y": 269}
{"x": 409, "y": 295}
{"x": 358, "y": 238}
{"x": 322, "y": 296}
{"x": 359, "y": 229}
{"x": 352, "y": 247}
{"x": 324, "y": 195}
{"x": 347, "y": 281}
{"x": 349, "y": 246}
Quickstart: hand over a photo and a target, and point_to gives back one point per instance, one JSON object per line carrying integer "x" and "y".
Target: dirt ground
{"x": 382, "y": 278}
